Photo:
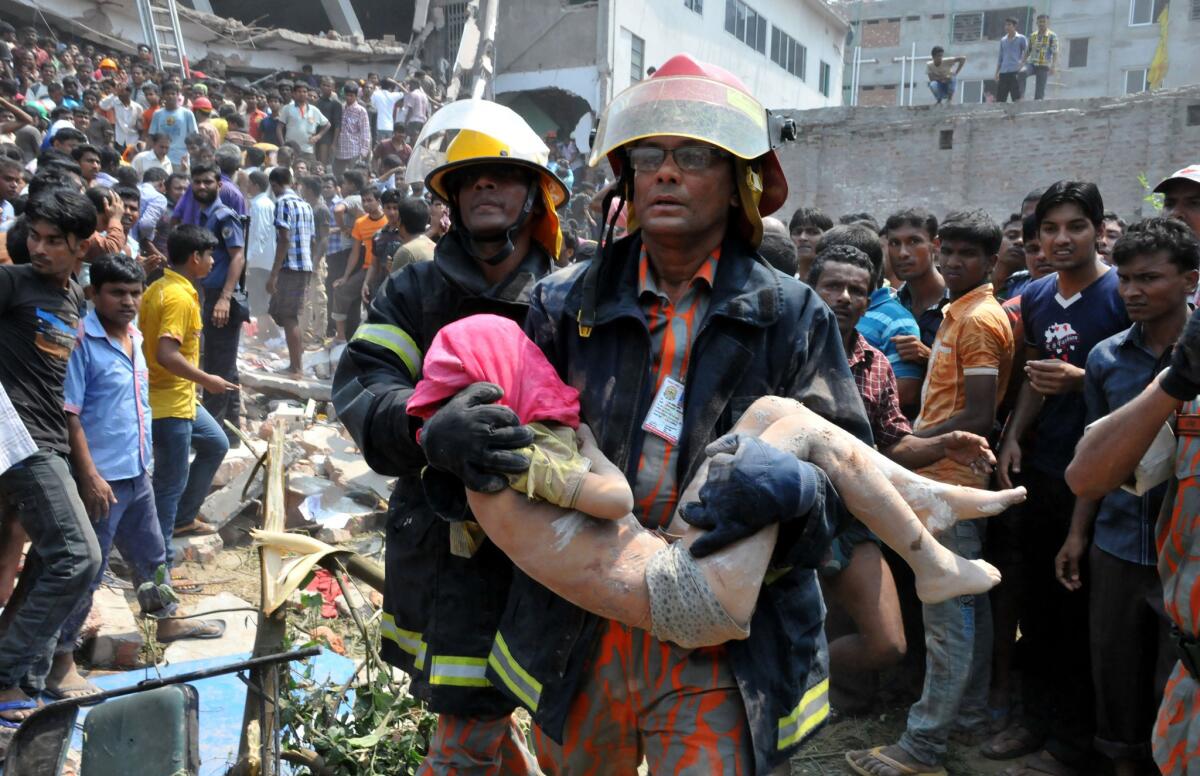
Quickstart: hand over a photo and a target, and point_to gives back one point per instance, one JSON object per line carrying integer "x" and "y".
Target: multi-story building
{"x": 560, "y": 62}
{"x": 1106, "y": 47}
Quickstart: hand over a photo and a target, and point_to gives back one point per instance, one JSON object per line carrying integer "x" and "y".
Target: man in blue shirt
{"x": 1157, "y": 263}
{"x": 1065, "y": 315}
{"x": 175, "y": 122}
{"x": 1008, "y": 64}
{"x": 106, "y": 398}
{"x": 224, "y": 294}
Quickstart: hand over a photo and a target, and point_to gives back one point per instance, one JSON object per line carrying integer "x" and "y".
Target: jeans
{"x": 1041, "y": 74}
{"x": 62, "y": 562}
{"x": 1008, "y": 86}
{"x": 1056, "y": 681}
{"x": 219, "y": 357}
{"x": 132, "y": 525}
{"x": 943, "y": 90}
{"x": 958, "y": 652}
{"x": 179, "y": 490}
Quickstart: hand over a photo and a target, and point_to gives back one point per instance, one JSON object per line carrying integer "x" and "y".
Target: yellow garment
{"x": 171, "y": 308}
{"x": 1158, "y": 65}
{"x": 556, "y": 468}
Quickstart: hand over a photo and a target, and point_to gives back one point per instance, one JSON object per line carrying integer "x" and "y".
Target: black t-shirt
{"x": 331, "y": 109}
{"x": 385, "y": 242}
{"x": 39, "y": 321}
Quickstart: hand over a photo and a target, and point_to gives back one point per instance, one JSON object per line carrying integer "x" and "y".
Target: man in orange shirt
{"x": 969, "y": 367}
{"x": 347, "y": 290}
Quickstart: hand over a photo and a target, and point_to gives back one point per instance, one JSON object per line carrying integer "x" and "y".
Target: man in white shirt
{"x": 384, "y": 100}
{"x": 152, "y": 206}
{"x": 416, "y": 108}
{"x": 303, "y": 123}
{"x": 127, "y": 114}
{"x": 154, "y": 156}
{"x": 260, "y": 250}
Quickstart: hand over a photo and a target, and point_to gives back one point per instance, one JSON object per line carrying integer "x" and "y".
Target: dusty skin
{"x": 599, "y": 565}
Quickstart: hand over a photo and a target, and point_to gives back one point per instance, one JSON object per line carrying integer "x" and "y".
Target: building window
{"x": 1196, "y": 10}
{"x": 1077, "y": 50}
{"x": 637, "y": 58}
{"x": 946, "y": 139}
{"x": 1135, "y": 81}
{"x": 970, "y": 92}
{"x": 1145, "y": 11}
{"x": 826, "y": 72}
{"x": 695, "y": 5}
{"x": 967, "y": 27}
{"x": 788, "y": 53}
{"x": 746, "y": 24}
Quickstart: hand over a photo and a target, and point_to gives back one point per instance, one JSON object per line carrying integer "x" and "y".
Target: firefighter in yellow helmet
{"x": 445, "y": 589}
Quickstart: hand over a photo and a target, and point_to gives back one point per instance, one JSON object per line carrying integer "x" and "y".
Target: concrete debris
{"x": 117, "y": 639}
{"x": 346, "y": 467}
{"x": 201, "y": 549}
{"x": 282, "y": 385}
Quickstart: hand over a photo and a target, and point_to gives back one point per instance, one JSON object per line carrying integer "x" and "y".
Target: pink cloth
{"x": 492, "y": 349}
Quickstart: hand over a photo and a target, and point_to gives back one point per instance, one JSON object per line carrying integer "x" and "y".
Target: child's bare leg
{"x": 854, "y": 468}
{"x": 936, "y": 504}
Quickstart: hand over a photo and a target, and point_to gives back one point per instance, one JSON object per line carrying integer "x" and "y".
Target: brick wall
{"x": 880, "y": 33}
{"x": 880, "y": 159}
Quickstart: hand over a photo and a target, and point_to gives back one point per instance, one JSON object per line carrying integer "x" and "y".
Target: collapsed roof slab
{"x": 242, "y": 48}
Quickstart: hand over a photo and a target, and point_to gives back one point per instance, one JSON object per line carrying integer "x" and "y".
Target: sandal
{"x": 196, "y": 528}
{"x": 876, "y": 753}
{"x": 26, "y": 705}
{"x": 1012, "y": 742}
{"x": 200, "y": 629}
{"x": 186, "y": 586}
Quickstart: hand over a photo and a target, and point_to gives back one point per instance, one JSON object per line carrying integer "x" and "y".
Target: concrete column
{"x": 342, "y": 16}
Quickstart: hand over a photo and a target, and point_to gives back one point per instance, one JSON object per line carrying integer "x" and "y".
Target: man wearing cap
{"x": 1181, "y": 199}
{"x": 446, "y": 591}
{"x": 669, "y": 336}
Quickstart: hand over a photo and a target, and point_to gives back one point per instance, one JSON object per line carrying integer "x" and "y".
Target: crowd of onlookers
{"x": 216, "y": 209}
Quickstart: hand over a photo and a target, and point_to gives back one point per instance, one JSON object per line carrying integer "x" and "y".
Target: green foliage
{"x": 1150, "y": 198}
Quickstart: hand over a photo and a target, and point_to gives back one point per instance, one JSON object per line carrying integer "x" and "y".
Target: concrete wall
{"x": 668, "y": 27}
{"x": 888, "y": 28}
{"x": 881, "y": 159}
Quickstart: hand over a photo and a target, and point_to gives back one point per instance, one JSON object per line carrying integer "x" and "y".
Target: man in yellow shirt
{"x": 171, "y": 324}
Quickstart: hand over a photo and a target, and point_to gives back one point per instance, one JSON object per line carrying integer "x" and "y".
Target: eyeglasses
{"x": 687, "y": 158}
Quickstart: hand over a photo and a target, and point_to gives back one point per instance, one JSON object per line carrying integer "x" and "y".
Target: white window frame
{"x": 962, "y": 91}
{"x": 638, "y": 45}
{"x": 1133, "y": 22}
{"x": 1145, "y": 71}
{"x": 794, "y": 54}
{"x": 761, "y": 20}
{"x": 696, "y": 6}
{"x": 825, "y": 78}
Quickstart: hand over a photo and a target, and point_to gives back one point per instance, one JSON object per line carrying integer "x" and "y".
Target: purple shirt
{"x": 187, "y": 210}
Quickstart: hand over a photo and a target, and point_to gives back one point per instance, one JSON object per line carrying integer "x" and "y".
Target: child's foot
{"x": 940, "y": 506}
{"x": 967, "y": 577}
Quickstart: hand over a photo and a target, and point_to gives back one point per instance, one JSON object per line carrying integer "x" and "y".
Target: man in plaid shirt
{"x": 352, "y": 141}
{"x": 295, "y": 234}
{"x": 855, "y": 576}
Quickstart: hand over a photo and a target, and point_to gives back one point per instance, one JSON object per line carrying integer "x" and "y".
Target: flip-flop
{"x": 197, "y": 632}
{"x": 905, "y": 770}
{"x": 1023, "y": 740}
{"x": 196, "y": 528}
{"x": 186, "y": 586}
{"x": 26, "y": 705}
{"x": 62, "y": 695}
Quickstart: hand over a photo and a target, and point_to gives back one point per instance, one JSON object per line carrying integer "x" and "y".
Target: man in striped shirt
{"x": 295, "y": 235}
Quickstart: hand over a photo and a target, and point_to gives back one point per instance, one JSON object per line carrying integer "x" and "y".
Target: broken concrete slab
{"x": 240, "y": 628}
{"x": 118, "y": 640}
{"x": 279, "y": 385}
{"x": 197, "y": 549}
{"x": 317, "y": 438}
{"x": 346, "y": 467}
{"x": 287, "y": 417}
{"x": 237, "y": 460}
{"x": 227, "y": 503}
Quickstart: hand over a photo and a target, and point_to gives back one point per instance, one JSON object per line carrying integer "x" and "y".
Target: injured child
{"x": 567, "y": 522}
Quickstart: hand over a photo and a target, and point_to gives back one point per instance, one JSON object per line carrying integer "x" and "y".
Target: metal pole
{"x": 903, "y": 64}
{"x": 912, "y": 74}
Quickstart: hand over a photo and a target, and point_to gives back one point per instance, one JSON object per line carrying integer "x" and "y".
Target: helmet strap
{"x": 508, "y": 247}
{"x": 620, "y": 192}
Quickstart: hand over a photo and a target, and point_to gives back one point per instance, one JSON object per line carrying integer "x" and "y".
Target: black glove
{"x": 476, "y": 440}
{"x": 1181, "y": 380}
{"x": 750, "y": 485}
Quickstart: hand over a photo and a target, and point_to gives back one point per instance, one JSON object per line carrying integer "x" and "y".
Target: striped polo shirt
{"x": 672, "y": 330}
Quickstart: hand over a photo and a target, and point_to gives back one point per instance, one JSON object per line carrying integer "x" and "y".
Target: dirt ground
{"x": 825, "y": 754}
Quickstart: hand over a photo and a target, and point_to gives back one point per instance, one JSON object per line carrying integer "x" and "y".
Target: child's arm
{"x": 605, "y": 493}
